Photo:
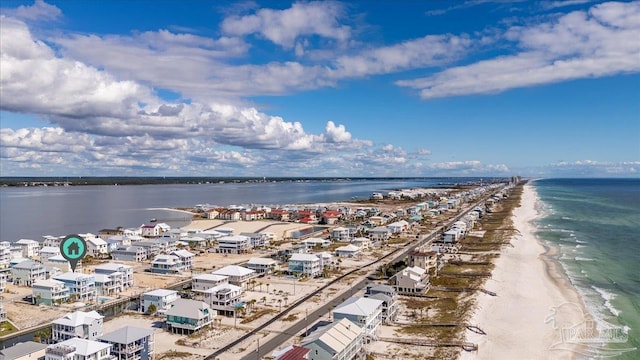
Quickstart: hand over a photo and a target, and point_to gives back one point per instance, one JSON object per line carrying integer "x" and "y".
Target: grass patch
{"x": 172, "y": 354}
{"x": 291, "y": 317}
{"x": 256, "y": 315}
{"x": 7, "y": 328}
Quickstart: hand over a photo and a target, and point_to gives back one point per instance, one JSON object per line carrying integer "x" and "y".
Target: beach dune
{"x": 519, "y": 321}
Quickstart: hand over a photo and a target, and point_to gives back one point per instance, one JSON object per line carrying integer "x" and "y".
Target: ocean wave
{"x": 578, "y": 258}
{"x": 607, "y": 297}
{"x": 581, "y": 241}
{"x": 579, "y": 246}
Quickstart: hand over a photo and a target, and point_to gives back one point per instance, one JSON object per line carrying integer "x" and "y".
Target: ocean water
{"x": 596, "y": 225}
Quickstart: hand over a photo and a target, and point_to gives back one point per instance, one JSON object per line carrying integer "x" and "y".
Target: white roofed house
{"x": 315, "y": 242}
{"x": 79, "y": 349}
{"x": 131, "y": 343}
{"x": 234, "y": 244}
{"x": 130, "y": 253}
{"x": 120, "y": 273}
{"x": 49, "y": 292}
{"x": 186, "y": 258}
{"x": 48, "y": 251}
{"x": 389, "y": 298}
{"x": 341, "y": 234}
{"x": 223, "y": 298}
{"x": 188, "y": 316}
{"x": 380, "y": 233}
{"x": 361, "y": 242}
{"x": 82, "y": 287}
{"x": 84, "y": 325}
{"x": 305, "y": 264}
{"x": 161, "y": 299}
{"x": 262, "y": 265}
{"x": 5, "y": 254}
{"x": 341, "y": 340}
{"x": 26, "y": 273}
{"x": 364, "y": 312}
{"x": 238, "y": 275}
{"x": 411, "y": 280}
{"x": 30, "y": 248}
{"x": 202, "y": 282}
{"x": 257, "y": 240}
{"x": 97, "y": 247}
{"x": 398, "y": 226}
{"x": 52, "y": 241}
{"x": 61, "y": 263}
{"x": 105, "y": 284}
{"x": 166, "y": 264}
{"x": 348, "y": 251}
{"x": 27, "y": 350}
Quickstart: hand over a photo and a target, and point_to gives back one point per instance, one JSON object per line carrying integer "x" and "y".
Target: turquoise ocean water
{"x": 596, "y": 225}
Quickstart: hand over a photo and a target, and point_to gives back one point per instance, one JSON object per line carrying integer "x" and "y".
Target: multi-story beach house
{"x": 389, "y": 298}
{"x": 262, "y": 265}
{"x": 80, "y": 324}
{"x": 188, "y": 316}
{"x": 427, "y": 260}
{"x": 27, "y": 350}
{"x": 130, "y": 253}
{"x": 52, "y": 241}
{"x": 5, "y": 254}
{"x": 380, "y": 233}
{"x": 238, "y": 275}
{"x": 49, "y": 292}
{"x": 161, "y": 299}
{"x": 361, "y": 242}
{"x": 279, "y": 215}
{"x": 348, "y": 251}
{"x": 79, "y": 349}
{"x": 342, "y": 340}
{"x": 256, "y": 240}
{"x": 313, "y": 242}
{"x": 3, "y": 313}
{"x": 305, "y": 264}
{"x": 151, "y": 231}
{"x": 166, "y": 264}
{"x": 131, "y": 343}
{"x": 27, "y": 272}
{"x": 186, "y": 258}
{"x": 81, "y": 287}
{"x": 4, "y": 275}
{"x": 202, "y": 282}
{"x": 411, "y": 280}
{"x": 223, "y": 298}
{"x": 341, "y": 234}
{"x": 398, "y": 227}
{"x": 58, "y": 261}
{"x": 364, "y": 312}
{"x": 97, "y": 247}
{"x": 121, "y": 274}
{"x": 48, "y": 251}
{"x": 234, "y": 244}
{"x": 30, "y": 248}
{"x": 151, "y": 246}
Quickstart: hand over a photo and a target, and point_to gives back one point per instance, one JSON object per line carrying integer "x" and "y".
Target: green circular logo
{"x": 73, "y": 247}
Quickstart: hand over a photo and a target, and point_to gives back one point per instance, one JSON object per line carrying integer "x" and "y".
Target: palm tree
{"x": 267, "y": 287}
{"x": 251, "y": 303}
{"x": 280, "y": 303}
{"x": 264, "y": 300}
{"x": 260, "y": 285}
{"x": 285, "y": 300}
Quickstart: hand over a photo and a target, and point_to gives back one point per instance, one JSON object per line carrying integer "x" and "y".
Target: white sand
{"x": 528, "y": 285}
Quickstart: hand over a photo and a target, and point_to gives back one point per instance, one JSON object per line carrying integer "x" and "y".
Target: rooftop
{"x": 126, "y": 335}
{"x": 358, "y": 306}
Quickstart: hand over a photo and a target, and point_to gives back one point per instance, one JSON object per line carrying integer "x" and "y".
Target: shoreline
{"x": 531, "y": 287}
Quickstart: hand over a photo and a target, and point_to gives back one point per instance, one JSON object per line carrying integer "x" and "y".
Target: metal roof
{"x": 126, "y": 335}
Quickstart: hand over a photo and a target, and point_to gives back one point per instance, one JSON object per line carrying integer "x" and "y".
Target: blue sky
{"x": 369, "y": 88}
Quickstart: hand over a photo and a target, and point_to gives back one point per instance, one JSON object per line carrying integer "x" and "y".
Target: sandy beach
{"x": 529, "y": 284}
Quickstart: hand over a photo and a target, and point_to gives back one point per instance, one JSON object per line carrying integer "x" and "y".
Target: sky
{"x": 320, "y": 88}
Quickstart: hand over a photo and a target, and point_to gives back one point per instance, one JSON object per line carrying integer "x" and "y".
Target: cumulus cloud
{"x": 40, "y": 10}
{"x": 284, "y": 27}
{"x": 470, "y": 168}
{"x": 600, "y": 42}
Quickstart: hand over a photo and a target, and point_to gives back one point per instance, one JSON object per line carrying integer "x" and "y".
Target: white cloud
{"x": 40, "y": 10}
{"x": 581, "y": 44}
{"x": 470, "y": 168}
{"x": 284, "y": 27}
{"x": 594, "y": 168}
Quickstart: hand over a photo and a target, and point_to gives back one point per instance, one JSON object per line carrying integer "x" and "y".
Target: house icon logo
{"x": 73, "y": 247}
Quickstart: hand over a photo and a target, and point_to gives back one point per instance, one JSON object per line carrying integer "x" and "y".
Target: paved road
{"x": 266, "y": 348}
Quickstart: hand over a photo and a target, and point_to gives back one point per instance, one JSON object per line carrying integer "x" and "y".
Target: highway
{"x": 266, "y": 348}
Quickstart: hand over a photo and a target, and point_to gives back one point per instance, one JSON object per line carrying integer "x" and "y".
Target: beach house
{"x": 380, "y": 233}
{"x": 80, "y": 324}
{"x": 151, "y": 231}
{"x": 411, "y": 280}
{"x": 305, "y": 264}
{"x": 188, "y": 316}
{"x": 238, "y": 275}
{"x": 361, "y": 242}
{"x": 186, "y": 258}
{"x": 30, "y": 248}
{"x": 348, "y": 251}
{"x": 5, "y": 254}
{"x": 3, "y": 281}
{"x": 256, "y": 240}
{"x": 131, "y": 343}
{"x": 48, "y": 251}
{"x": 313, "y": 242}
{"x": 202, "y": 282}
{"x": 398, "y": 226}
{"x": 233, "y": 244}
{"x": 79, "y": 349}
{"x": 28, "y": 350}
{"x": 25, "y": 273}
{"x": 166, "y": 264}
{"x": 97, "y": 247}
{"x": 427, "y": 260}
{"x": 161, "y": 299}
{"x": 291, "y": 352}
{"x": 129, "y": 253}
{"x": 340, "y": 234}
{"x": 49, "y": 292}
{"x": 339, "y": 340}
{"x": 223, "y": 298}
{"x": 262, "y": 265}
{"x": 81, "y": 287}
{"x": 389, "y": 298}
{"x": 120, "y": 273}
{"x": 58, "y": 261}
{"x": 364, "y": 312}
